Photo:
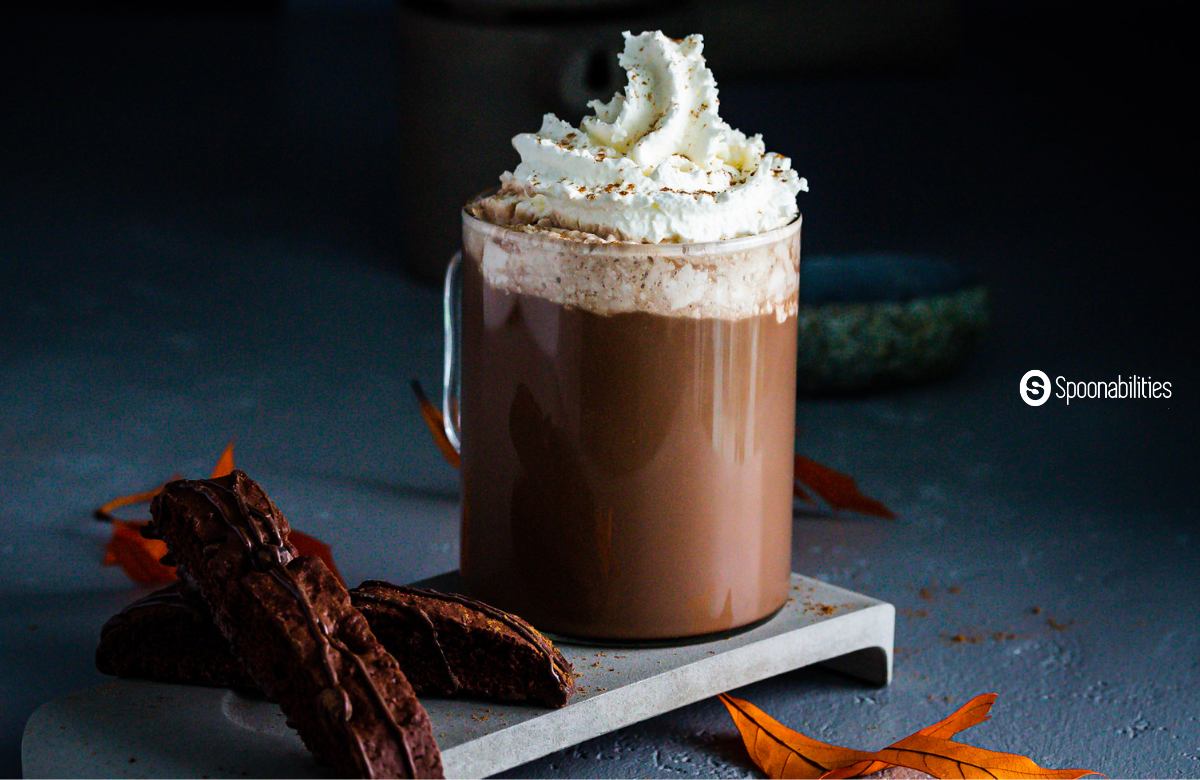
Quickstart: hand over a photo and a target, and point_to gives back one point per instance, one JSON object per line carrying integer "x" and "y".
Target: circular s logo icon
{"x": 1035, "y": 387}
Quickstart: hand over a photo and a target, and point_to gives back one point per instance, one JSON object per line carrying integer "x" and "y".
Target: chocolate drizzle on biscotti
{"x": 271, "y": 553}
{"x": 487, "y": 652}
{"x": 168, "y": 636}
{"x": 338, "y": 686}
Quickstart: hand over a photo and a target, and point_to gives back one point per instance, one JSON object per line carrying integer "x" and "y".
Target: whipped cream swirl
{"x": 654, "y": 164}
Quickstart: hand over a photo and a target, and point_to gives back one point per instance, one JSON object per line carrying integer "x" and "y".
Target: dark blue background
{"x": 198, "y": 239}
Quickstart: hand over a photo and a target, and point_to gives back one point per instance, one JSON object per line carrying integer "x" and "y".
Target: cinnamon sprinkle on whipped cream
{"x": 655, "y": 164}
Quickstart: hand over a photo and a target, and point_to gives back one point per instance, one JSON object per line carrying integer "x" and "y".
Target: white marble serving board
{"x": 129, "y": 728}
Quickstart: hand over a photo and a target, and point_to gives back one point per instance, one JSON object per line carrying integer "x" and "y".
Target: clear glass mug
{"x": 627, "y": 475}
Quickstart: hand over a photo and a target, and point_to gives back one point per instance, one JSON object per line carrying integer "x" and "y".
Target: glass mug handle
{"x": 451, "y": 368}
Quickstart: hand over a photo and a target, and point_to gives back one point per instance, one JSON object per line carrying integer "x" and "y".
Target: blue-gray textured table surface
{"x": 155, "y": 303}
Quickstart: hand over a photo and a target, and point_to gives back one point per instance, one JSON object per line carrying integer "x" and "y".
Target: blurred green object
{"x": 874, "y": 321}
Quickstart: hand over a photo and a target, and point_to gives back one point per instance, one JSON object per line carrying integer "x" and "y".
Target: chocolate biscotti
{"x": 290, "y": 622}
{"x": 447, "y": 645}
{"x": 450, "y": 645}
{"x": 168, "y": 636}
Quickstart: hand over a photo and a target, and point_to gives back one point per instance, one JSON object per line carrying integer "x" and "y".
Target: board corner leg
{"x": 871, "y": 664}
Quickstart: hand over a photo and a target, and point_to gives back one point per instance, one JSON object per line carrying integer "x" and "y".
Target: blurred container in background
{"x": 474, "y": 73}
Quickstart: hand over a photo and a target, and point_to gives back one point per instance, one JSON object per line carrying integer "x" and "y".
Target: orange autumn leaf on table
{"x": 105, "y": 511}
{"x": 836, "y": 489}
{"x": 139, "y": 557}
{"x": 313, "y": 547}
{"x": 946, "y": 758}
{"x": 224, "y": 466}
{"x": 436, "y": 425}
{"x": 781, "y": 752}
{"x": 970, "y": 714}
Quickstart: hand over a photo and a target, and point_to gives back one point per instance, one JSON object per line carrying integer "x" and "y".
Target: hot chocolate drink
{"x": 628, "y": 364}
{"x": 626, "y": 475}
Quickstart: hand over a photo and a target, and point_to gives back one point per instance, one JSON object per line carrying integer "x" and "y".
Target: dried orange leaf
{"x": 970, "y": 714}
{"x": 105, "y": 511}
{"x": 136, "y": 555}
{"x": 433, "y": 420}
{"x": 784, "y": 753}
{"x": 311, "y": 545}
{"x": 838, "y": 490}
{"x": 223, "y": 466}
{"x": 140, "y": 557}
{"x": 224, "y": 463}
{"x": 944, "y": 758}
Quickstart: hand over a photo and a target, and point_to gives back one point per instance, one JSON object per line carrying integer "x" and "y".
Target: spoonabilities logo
{"x": 1035, "y": 387}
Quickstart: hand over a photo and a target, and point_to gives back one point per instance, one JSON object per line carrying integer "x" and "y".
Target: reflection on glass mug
{"x": 627, "y": 469}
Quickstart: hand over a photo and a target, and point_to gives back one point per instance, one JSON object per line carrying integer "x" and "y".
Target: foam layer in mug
{"x": 731, "y": 279}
